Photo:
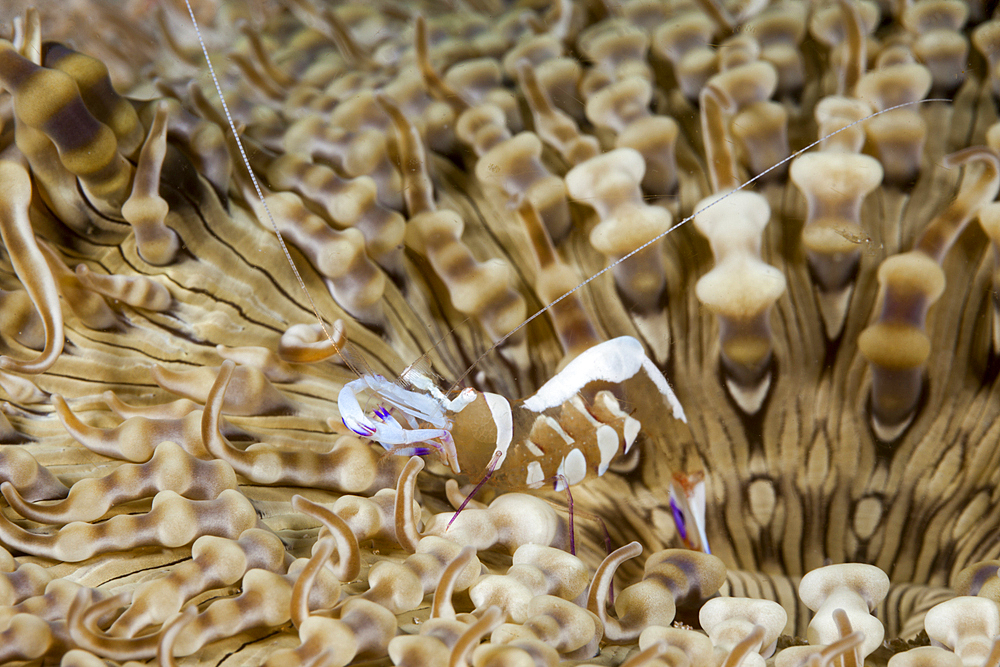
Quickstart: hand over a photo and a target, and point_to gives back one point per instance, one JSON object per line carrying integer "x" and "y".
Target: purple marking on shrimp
{"x": 381, "y": 413}
{"x": 679, "y": 519}
{"x": 367, "y": 433}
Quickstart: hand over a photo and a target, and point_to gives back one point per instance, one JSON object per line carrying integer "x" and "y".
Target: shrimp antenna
{"x": 418, "y": 363}
{"x": 547, "y": 307}
{"x": 680, "y": 224}
{"x": 260, "y": 192}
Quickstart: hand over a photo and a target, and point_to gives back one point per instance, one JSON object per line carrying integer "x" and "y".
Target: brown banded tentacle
{"x": 165, "y": 649}
{"x": 982, "y": 579}
{"x": 79, "y": 541}
{"x": 264, "y": 602}
{"x": 417, "y": 650}
{"x": 49, "y": 101}
{"x": 779, "y": 31}
{"x": 145, "y": 209}
{"x": 31, "y": 480}
{"x": 740, "y": 290}
{"x": 610, "y": 184}
{"x": 897, "y": 345}
{"x": 481, "y": 81}
{"x": 28, "y": 263}
{"x": 686, "y": 42}
{"x": 89, "y": 307}
{"x": 480, "y": 289}
{"x": 976, "y": 191}
{"x": 354, "y": 280}
{"x": 555, "y": 127}
{"x": 989, "y": 220}
{"x": 249, "y": 392}
{"x": 27, "y": 637}
{"x": 648, "y": 602}
{"x": 855, "y": 48}
{"x": 618, "y": 50}
{"x": 98, "y": 93}
{"x": 557, "y": 74}
{"x": 573, "y": 324}
{"x": 82, "y": 624}
{"x": 354, "y": 153}
{"x": 401, "y": 587}
{"x": 489, "y": 621}
{"x": 835, "y": 184}
{"x": 171, "y": 410}
{"x": 940, "y": 43}
{"x": 136, "y": 438}
{"x": 759, "y": 125}
{"x": 350, "y": 466}
{"x": 622, "y": 108}
{"x": 845, "y": 592}
{"x": 170, "y": 467}
{"x": 967, "y": 626}
{"x": 509, "y": 521}
{"x": 574, "y": 632}
{"x": 898, "y": 136}
{"x": 762, "y": 130}
{"x": 257, "y": 77}
{"x": 562, "y": 574}
{"x": 215, "y": 562}
{"x": 418, "y": 189}
{"x": 511, "y": 164}
{"x": 348, "y": 564}
{"x": 19, "y": 582}
{"x": 264, "y": 59}
{"x": 442, "y": 606}
{"x": 716, "y": 107}
{"x": 657, "y": 652}
{"x": 347, "y": 202}
{"x": 322, "y": 551}
{"x": 200, "y": 140}
{"x": 844, "y": 28}
{"x": 308, "y": 343}
{"x": 274, "y": 368}
{"x": 851, "y": 657}
{"x": 436, "y": 86}
{"x": 927, "y": 655}
{"x": 136, "y": 291}
{"x": 407, "y": 533}
{"x": 986, "y": 38}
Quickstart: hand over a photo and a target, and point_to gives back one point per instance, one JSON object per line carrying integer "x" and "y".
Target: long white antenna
{"x": 548, "y": 306}
{"x": 684, "y": 222}
{"x": 256, "y": 186}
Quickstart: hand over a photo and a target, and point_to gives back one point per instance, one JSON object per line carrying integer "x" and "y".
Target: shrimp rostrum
{"x": 554, "y": 436}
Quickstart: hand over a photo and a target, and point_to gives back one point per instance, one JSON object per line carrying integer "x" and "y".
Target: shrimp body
{"x": 553, "y": 435}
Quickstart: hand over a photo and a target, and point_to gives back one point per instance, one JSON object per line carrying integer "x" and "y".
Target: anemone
{"x": 179, "y": 484}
